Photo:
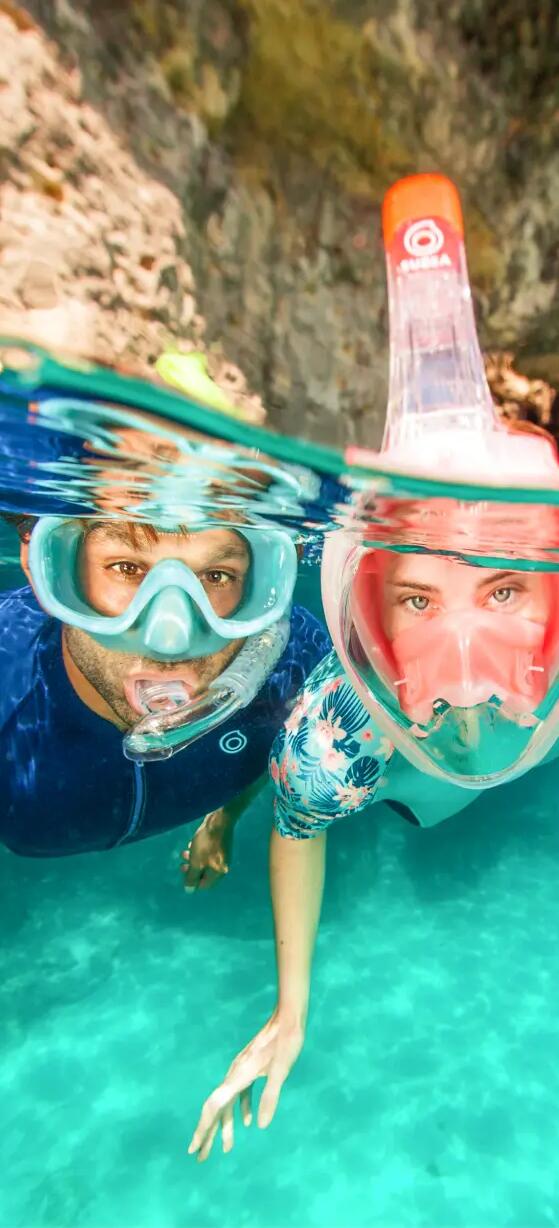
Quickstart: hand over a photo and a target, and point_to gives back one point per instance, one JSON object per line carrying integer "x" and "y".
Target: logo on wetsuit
{"x": 234, "y": 742}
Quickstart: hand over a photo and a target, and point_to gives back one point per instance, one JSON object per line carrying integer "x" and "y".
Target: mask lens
{"x": 454, "y": 659}
{"x": 113, "y": 562}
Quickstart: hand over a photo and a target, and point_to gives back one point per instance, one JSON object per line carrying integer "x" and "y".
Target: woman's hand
{"x": 270, "y": 1055}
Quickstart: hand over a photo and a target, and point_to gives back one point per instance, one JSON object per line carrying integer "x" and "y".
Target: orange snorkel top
{"x": 417, "y": 197}
{"x": 440, "y": 417}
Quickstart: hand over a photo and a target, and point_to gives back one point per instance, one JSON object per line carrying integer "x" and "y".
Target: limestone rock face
{"x": 93, "y": 248}
{"x": 211, "y": 171}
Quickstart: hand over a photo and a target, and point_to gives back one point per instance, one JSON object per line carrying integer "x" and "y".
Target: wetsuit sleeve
{"x": 309, "y": 643}
{"x": 328, "y": 759}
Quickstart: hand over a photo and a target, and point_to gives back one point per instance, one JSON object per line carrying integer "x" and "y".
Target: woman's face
{"x": 425, "y": 587}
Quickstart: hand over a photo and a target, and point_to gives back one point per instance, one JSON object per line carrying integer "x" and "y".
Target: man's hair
{"x": 23, "y": 524}
{"x": 139, "y": 532}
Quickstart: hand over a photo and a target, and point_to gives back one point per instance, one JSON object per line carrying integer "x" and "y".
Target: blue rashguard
{"x": 64, "y": 782}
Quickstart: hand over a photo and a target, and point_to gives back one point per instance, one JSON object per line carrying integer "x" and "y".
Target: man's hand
{"x": 208, "y": 855}
{"x": 270, "y": 1055}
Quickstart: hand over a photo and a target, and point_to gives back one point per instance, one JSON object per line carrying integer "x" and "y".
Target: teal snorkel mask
{"x": 170, "y": 618}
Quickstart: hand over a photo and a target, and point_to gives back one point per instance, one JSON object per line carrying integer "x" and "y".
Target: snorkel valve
{"x": 174, "y": 721}
{"x": 440, "y": 416}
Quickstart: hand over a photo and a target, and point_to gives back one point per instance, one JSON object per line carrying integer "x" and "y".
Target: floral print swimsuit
{"x": 328, "y": 759}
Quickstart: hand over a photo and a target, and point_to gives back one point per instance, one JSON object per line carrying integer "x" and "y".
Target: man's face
{"x": 114, "y": 560}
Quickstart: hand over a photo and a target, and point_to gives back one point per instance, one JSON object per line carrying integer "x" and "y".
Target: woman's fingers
{"x": 252, "y": 1063}
{"x": 279, "y": 1071}
{"x": 246, "y": 1106}
{"x": 208, "y": 1142}
{"x": 210, "y": 1114}
{"x": 227, "y": 1129}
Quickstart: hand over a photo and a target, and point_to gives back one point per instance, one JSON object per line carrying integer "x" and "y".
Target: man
{"x": 69, "y": 695}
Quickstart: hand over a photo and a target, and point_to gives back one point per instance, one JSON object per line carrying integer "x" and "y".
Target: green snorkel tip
{"x": 189, "y": 373}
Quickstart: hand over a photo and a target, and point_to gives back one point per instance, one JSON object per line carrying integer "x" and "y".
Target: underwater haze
{"x": 427, "y": 1090}
{"x": 426, "y": 1093}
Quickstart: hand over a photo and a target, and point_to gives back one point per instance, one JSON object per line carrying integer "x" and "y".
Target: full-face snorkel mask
{"x": 171, "y": 618}
{"x": 454, "y": 652}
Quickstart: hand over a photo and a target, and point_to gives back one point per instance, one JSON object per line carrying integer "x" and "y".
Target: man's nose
{"x": 169, "y": 623}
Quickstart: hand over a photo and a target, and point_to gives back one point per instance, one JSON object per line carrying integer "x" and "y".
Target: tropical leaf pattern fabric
{"x": 328, "y": 758}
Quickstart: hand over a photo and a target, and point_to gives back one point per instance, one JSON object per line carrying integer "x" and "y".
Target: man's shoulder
{"x": 21, "y": 620}
{"x": 20, "y": 614}
{"x": 308, "y": 631}
{"x": 308, "y": 643}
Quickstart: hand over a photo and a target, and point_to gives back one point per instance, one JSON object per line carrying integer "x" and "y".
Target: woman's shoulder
{"x": 328, "y": 758}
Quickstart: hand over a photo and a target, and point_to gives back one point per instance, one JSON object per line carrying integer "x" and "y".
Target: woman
{"x": 444, "y": 616}
{"x": 449, "y": 685}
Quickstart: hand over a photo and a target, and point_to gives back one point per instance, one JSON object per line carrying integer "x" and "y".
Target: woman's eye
{"x": 502, "y": 595}
{"x": 417, "y": 602}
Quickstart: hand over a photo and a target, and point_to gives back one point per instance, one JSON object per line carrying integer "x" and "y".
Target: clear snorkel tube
{"x": 440, "y": 419}
{"x": 486, "y": 678}
{"x": 174, "y": 722}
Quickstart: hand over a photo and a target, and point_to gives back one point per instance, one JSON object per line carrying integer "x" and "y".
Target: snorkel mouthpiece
{"x": 173, "y": 723}
{"x": 161, "y": 697}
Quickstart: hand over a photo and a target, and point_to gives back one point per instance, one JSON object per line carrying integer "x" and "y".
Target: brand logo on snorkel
{"x": 423, "y": 241}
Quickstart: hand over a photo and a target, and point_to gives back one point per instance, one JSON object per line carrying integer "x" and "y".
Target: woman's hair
{"x": 521, "y": 426}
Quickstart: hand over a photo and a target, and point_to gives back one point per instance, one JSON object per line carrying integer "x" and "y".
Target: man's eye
{"x": 126, "y": 569}
{"x": 166, "y": 451}
{"x": 417, "y": 602}
{"x": 218, "y": 578}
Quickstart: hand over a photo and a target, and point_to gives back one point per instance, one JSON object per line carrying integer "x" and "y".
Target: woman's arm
{"x": 297, "y": 878}
{"x": 297, "y": 882}
{"x": 327, "y": 715}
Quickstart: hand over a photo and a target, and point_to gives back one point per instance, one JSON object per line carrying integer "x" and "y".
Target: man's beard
{"x": 106, "y": 669}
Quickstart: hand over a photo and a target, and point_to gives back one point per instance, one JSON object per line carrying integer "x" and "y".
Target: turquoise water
{"x": 427, "y": 1092}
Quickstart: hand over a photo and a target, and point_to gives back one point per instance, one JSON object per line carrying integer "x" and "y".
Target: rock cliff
{"x": 211, "y": 172}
